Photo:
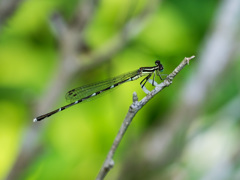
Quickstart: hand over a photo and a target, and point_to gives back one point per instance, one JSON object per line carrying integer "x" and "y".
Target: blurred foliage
{"x": 77, "y": 140}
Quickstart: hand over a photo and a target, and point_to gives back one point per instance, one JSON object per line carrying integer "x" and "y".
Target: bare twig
{"x": 133, "y": 109}
{"x": 115, "y": 44}
{"x": 7, "y": 8}
{"x": 84, "y": 13}
{"x": 164, "y": 143}
{"x": 69, "y": 40}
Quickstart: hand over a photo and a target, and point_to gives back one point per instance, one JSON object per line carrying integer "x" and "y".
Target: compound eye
{"x": 157, "y": 62}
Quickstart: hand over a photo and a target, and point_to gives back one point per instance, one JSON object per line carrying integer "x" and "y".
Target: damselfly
{"x": 86, "y": 92}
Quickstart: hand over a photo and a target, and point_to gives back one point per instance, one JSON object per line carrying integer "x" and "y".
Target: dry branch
{"x": 7, "y": 9}
{"x": 133, "y": 109}
{"x": 164, "y": 143}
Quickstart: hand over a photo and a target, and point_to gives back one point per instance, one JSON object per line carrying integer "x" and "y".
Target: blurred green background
{"x": 50, "y": 47}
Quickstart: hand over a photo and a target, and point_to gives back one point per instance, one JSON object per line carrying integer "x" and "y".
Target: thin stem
{"x": 133, "y": 109}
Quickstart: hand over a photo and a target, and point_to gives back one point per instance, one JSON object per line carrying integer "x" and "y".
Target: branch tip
{"x": 135, "y": 97}
{"x": 188, "y": 59}
{"x": 133, "y": 109}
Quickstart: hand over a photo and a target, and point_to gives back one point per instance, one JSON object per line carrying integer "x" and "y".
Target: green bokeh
{"x": 77, "y": 140}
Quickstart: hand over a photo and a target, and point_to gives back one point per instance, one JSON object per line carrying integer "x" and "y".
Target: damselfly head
{"x": 158, "y": 63}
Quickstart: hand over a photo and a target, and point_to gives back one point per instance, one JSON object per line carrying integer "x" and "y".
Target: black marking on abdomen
{"x": 85, "y": 98}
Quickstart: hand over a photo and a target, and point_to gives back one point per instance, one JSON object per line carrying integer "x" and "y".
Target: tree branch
{"x": 69, "y": 40}
{"x": 7, "y": 8}
{"x": 164, "y": 143}
{"x": 133, "y": 109}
